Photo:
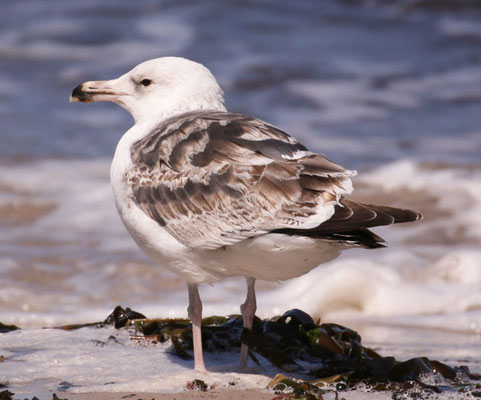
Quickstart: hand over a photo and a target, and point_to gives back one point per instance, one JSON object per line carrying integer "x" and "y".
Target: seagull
{"x": 211, "y": 194}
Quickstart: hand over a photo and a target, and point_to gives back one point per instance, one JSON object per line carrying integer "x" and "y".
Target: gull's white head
{"x": 157, "y": 89}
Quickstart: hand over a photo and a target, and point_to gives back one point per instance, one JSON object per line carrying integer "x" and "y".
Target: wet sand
{"x": 233, "y": 394}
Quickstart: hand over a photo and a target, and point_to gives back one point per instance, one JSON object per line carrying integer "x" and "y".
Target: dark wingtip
{"x": 400, "y": 215}
{"x": 408, "y": 216}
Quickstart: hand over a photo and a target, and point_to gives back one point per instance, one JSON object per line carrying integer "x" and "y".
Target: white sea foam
{"x": 39, "y": 362}
{"x": 460, "y": 28}
{"x": 457, "y": 85}
{"x": 105, "y": 360}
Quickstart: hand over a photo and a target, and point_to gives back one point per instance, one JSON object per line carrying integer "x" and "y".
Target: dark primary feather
{"x": 360, "y": 237}
{"x": 351, "y": 220}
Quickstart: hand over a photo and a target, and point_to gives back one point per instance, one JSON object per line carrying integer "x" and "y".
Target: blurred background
{"x": 392, "y": 89}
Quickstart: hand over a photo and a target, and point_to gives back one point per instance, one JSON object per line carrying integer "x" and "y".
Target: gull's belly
{"x": 271, "y": 256}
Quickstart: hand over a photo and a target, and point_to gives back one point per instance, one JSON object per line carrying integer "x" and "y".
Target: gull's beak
{"x": 94, "y": 91}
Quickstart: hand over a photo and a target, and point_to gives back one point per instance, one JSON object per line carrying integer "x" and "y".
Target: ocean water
{"x": 393, "y": 90}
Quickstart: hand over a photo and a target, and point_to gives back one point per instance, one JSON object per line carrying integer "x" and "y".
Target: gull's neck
{"x": 154, "y": 112}
{"x": 163, "y": 114}
{"x": 144, "y": 126}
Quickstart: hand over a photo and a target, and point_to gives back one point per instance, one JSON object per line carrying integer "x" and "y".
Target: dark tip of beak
{"x": 79, "y": 95}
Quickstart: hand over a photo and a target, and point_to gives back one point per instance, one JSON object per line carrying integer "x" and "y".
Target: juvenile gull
{"x": 210, "y": 194}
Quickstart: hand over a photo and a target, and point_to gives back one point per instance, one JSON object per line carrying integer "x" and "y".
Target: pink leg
{"x": 248, "y": 311}
{"x": 195, "y": 314}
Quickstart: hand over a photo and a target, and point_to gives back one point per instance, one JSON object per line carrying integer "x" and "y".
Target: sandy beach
{"x": 211, "y": 394}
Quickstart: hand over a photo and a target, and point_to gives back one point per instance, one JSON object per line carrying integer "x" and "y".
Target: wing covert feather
{"x": 213, "y": 178}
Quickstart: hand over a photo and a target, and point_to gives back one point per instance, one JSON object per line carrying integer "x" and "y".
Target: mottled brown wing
{"x": 212, "y": 179}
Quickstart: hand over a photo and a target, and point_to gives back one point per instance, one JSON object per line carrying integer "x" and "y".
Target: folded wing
{"x": 212, "y": 179}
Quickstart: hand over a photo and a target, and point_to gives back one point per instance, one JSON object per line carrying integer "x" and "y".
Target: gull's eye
{"x": 146, "y": 82}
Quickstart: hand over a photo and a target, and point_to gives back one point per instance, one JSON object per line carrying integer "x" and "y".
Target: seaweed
{"x": 8, "y": 328}
{"x": 120, "y": 317}
{"x": 6, "y": 395}
{"x": 197, "y": 384}
{"x": 330, "y": 356}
